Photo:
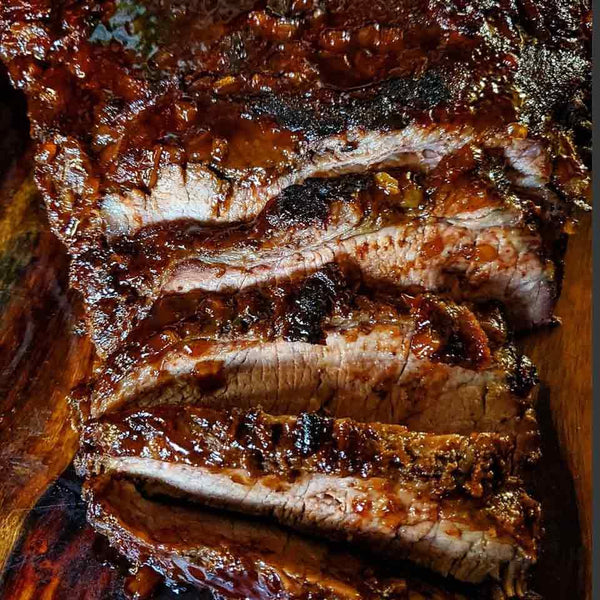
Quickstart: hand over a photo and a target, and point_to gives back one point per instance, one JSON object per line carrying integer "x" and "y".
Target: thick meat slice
{"x": 490, "y": 264}
{"x": 423, "y": 362}
{"x": 474, "y": 265}
{"x": 197, "y": 194}
{"x": 147, "y": 114}
{"x": 463, "y": 229}
{"x": 449, "y": 503}
{"x": 242, "y": 559}
{"x": 373, "y": 376}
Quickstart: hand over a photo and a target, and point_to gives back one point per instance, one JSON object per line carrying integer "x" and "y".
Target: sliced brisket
{"x": 151, "y": 115}
{"x": 450, "y": 503}
{"x": 464, "y": 229}
{"x": 242, "y": 559}
{"x": 321, "y": 344}
{"x": 310, "y": 208}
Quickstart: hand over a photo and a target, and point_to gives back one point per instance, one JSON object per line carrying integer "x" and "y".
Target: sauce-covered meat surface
{"x": 302, "y": 231}
{"x": 227, "y": 100}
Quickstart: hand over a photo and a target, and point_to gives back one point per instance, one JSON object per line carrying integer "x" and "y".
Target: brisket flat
{"x": 310, "y": 208}
{"x": 152, "y": 114}
{"x": 450, "y": 503}
{"x": 420, "y": 361}
{"x": 464, "y": 229}
{"x": 241, "y": 559}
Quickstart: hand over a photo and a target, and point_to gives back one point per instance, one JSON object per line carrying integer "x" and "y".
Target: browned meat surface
{"x": 314, "y": 208}
{"x": 373, "y": 377}
{"x": 464, "y": 229}
{"x": 449, "y": 503}
{"x": 241, "y": 559}
{"x": 321, "y": 344}
{"x": 162, "y": 111}
{"x": 473, "y": 265}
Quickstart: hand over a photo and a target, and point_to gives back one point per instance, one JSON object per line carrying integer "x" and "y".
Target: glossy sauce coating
{"x": 285, "y": 447}
{"x": 471, "y": 480}
{"x": 305, "y": 311}
{"x": 117, "y": 90}
{"x": 234, "y": 556}
{"x": 121, "y": 280}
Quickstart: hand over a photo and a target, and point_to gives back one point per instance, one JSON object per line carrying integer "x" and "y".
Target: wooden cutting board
{"x": 46, "y": 549}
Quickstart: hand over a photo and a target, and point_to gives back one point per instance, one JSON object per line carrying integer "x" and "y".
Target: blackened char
{"x": 310, "y": 203}
{"x": 383, "y": 107}
{"x": 312, "y": 303}
{"x": 312, "y": 431}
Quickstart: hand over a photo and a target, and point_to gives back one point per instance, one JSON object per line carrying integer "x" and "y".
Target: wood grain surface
{"x": 564, "y": 358}
{"x": 42, "y": 357}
